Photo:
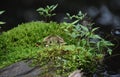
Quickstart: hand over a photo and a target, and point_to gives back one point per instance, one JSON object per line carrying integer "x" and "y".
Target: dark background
{"x": 106, "y": 13}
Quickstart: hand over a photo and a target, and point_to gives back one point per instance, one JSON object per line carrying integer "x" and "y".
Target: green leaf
{"x": 2, "y": 22}
{"x": 2, "y": 12}
{"x": 77, "y": 27}
{"x": 54, "y": 7}
{"x": 68, "y": 14}
{"x": 98, "y": 45}
{"x": 94, "y": 29}
{"x": 84, "y": 28}
{"x": 95, "y": 36}
{"x": 40, "y": 9}
{"x": 73, "y": 35}
{"x": 73, "y": 23}
{"x": 83, "y": 42}
{"x": 109, "y": 51}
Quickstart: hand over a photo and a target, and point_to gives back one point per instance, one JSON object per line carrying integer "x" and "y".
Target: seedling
{"x": 47, "y": 12}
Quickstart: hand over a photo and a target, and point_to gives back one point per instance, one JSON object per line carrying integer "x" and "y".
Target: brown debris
{"x": 51, "y": 40}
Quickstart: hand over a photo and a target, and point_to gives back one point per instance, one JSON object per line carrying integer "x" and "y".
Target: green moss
{"x": 20, "y": 42}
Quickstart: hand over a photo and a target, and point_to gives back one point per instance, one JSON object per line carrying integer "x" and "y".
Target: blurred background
{"x": 104, "y": 13}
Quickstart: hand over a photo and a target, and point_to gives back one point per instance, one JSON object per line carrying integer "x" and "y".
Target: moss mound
{"x": 20, "y": 42}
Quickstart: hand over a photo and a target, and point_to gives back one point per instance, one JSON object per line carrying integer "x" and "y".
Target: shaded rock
{"x": 76, "y": 73}
{"x": 106, "y": 74}
{"x": 20, "y": 69}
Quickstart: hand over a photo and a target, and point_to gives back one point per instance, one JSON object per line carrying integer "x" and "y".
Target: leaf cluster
{"x": 86, "y": 37}
{"x": 47, "y": 12}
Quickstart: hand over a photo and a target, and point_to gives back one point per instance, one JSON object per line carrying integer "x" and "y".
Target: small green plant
{"x": 86, "y": 36}
{"x": 80, "y": 16}
{"x": 47, "y": 12}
